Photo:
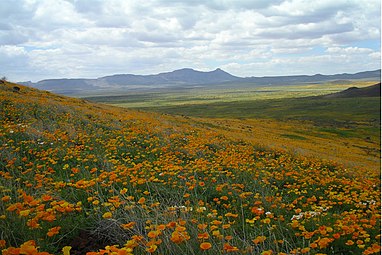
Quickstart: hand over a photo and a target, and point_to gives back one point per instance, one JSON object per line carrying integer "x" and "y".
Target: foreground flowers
{"x": 144, "y": 183}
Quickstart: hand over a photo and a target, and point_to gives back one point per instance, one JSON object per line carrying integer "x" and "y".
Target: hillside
{"x": 370, "y": 91}
{"x": 97, "y": 179}
{"x": 185, "y": 78}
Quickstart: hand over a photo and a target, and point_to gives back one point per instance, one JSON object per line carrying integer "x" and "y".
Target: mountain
{"x": 181, "y": 77}
{"x": 66, "y": 86}
{"x": 184, "y": 78}
{"x": 370, "y": 91}
{"x": 280, "y": 80}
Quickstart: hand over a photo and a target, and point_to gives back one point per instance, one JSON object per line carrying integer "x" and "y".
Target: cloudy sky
{"x": 42, "y": 39}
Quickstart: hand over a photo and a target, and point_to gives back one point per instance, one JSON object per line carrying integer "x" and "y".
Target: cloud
{"x": 342, "y": 60}
{"x": 14, "y": 61}
{"x": 91, "y": 38}
{"x": 348, "y": 50}
{"x": 224, "y": 4}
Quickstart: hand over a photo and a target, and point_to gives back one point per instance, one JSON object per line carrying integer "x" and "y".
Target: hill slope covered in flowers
{"x": 78, "y": 177}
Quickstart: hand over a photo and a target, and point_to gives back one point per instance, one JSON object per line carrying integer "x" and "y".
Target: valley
{"x": 298, "y": 118}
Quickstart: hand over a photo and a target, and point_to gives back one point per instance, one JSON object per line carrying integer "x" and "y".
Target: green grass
{"x": 327, "y": 111}
{"x": 295, "y": 137}
{"x": 218, "y": 94}
{"x": 344, "y": 117}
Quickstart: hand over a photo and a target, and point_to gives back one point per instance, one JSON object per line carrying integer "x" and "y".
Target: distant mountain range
{"x": 183, "y": 78}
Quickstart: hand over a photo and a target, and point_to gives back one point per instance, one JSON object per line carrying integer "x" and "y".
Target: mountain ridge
{"x": 185, "y": 77}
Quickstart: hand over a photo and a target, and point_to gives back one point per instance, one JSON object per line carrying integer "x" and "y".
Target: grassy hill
{"x": 98, "y": 179}
{"x": 344, "y": 127}
{"x": 370, "y": 91}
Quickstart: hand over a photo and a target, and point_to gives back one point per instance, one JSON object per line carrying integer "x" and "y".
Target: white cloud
{"x": 348, "y": 50}
{"x": 12, "y": 51}
{"x": 91, "y": 38}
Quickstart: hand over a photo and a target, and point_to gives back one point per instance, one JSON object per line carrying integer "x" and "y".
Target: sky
{"x": 43, "y": 39}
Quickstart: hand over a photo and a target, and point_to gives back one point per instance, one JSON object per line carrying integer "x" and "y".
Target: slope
{"x": 370, "y": 91}
{"x": 97, "y": 179}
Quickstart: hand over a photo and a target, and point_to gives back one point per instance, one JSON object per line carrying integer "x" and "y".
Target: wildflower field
{"x": 85, "y": 178}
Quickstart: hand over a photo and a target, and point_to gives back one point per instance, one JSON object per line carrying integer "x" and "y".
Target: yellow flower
{"x": 349, "y": 242}
{"x": 269, "y": 252}
{"x": 66, "y": 250}
{"x": 152, "y": 248}
{"x": 123, "y": 191}
{"x": 24, "y": 213}
{"x": 267, "y": 221}
{"x": 107, "y": 215}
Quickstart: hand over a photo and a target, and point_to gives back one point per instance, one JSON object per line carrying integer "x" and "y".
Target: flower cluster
{"x": 150, "y": 183}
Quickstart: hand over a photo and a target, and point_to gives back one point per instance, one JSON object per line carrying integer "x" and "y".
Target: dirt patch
{"x": 86, "y": 242}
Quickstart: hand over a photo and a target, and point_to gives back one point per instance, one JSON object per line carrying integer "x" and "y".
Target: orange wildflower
{"x": 28, "y": 247}
{"x": 53, "y": 231}
{"x": 259, "y": 239}
{"x": 349, "y": 242}
{"x": 178, "y": 237}
{"x": 5, "y": 198}
{"x": 171, "y": 224}
{"x": 204, "y": 235}
{"x": 229, "y": 248}
{"x": 33, "y": 223}
{"x": 257, "y": 210}
{"x": 142, "y": 200}
{"x": 153, "y": 234}
{"x": 313, "y": 245}
{"x": 226, "y": 226}
{"x": 128, "y": 225}
{"x": 161, "y": 227}
{"x": 228, "y": 238}
{"x": 324, "y": 242}
{"x": 202, "y": 226}
{"x": 205, "y": 246}
{"x": 2, "y": 243}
